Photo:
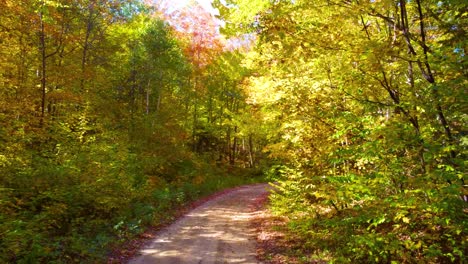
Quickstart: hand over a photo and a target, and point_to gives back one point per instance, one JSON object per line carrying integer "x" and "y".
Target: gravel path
{"x": 217, "y": 232}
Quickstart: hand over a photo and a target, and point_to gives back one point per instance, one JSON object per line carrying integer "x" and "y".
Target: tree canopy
{"x": 114, "y": 113}
{"x": 368, "y": 105}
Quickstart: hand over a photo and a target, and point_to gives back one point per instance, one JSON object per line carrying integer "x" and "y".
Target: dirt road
{"x": 216, "y": 232}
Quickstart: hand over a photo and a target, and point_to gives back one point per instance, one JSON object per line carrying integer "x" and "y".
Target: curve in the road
{"x": 216, "y": 232}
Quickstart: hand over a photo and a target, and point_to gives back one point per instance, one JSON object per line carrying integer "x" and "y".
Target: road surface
{"x": 217, "y": 232}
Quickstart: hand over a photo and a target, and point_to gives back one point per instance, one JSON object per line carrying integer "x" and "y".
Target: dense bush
{"x": 65, "y": 210}
{"x": 356, "y": 221}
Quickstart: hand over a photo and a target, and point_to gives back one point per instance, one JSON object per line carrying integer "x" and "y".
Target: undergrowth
{"x": 411, "y": 226}
{"x": 72, "y": 205}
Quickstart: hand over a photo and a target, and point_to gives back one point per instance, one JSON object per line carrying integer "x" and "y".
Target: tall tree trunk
{"x": 195, "y": 117}
{"x": 234, "y": 147}
{"x": 43, "y": 64}
{"x": 425, "y": 66}
{"x": 86, "y": 45}
{"x": 251, "y": 151}
{"x": 147, "y": 104}
{"x": 228, "y": 144}
{"x": 412, "y": 52}
{"x": 429, "y": 76}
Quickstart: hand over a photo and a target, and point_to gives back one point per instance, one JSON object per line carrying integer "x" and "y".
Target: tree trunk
{"x": 234, "y": 148}
{"x": 43, "y": 65}
{"x": 251, "y": 157}
{"x": 429, "y": 76}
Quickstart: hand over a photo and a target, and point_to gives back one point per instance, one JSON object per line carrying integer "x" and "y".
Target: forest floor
{"x": 275, "y": 243}
{"x": 222, "y": 228}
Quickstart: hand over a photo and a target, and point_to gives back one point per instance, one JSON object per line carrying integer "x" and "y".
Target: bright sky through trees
{"x": 206, "y": 4}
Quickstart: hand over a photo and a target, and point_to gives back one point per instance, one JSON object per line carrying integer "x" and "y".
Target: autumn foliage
{"x": 102, "y": 131}
{"x": 115, "y": 113}
{"x": 367, "y": 110}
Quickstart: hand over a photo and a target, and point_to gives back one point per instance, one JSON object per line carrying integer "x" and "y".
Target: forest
{"x": 114, "y": 113}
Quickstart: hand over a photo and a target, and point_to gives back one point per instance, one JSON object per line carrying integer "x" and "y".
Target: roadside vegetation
{"x": 115, "y": 113}
{"x": 111, "y": 120}
{"x": 366, "y": 105}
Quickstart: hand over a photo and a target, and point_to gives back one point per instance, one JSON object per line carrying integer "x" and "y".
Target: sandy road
{"x": 216, "y": 232}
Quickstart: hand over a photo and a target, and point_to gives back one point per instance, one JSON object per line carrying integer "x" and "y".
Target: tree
{"x": 362, "y": 124}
